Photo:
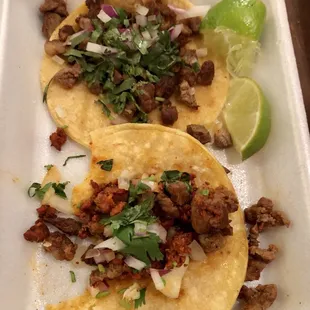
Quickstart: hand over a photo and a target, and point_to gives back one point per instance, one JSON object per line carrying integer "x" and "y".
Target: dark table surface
{"x": 299, "y": 19}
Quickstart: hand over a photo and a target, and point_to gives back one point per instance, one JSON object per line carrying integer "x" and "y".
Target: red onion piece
{"x": 109, "y": 10}
{"x": 103, "y": 286}
{"x": 176, "y": 31}
{"x": 105, "y": 256}
{"x": 92, "y": 253}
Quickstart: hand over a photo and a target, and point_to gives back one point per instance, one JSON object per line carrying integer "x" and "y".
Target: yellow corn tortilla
{"x": 76, "y": 109}
{"x": 209, "y": 285}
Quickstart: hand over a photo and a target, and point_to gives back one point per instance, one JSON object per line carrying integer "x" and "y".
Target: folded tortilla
{"x": 138, "y": 149}
{"x": 76, "y": 108}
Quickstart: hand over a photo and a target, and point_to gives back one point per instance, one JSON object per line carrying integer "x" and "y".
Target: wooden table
{"x": 299, "y": 19}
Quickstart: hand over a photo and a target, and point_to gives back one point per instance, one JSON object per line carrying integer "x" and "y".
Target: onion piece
{"x": 92, "y": 253}
{"x": 109, "y": 10}
{"x": 103, "y": 16}
{"x": 154, "y": 34}
{"x": 124, "y": 180}
{"x": 176, "y": 10}
{"x": 197, "y": 11}
{"x": 100, "y": 49}
{"x": 152, "y": 18}
{"x": 140, "y": 229}
{"x": 114, "y": 244}
{"x": 159, "y": 230}
{"x": 202, "y": 52}
{"x": 142, "y": 10}
{"x": 146, "y": 35}
{"x": 132, "y": 292}
{"x": 105, "y": 256}
{"x": 158, "y": 281}
{"x": 176, "y": 31}
{"x": 75, "y": 35}
{"x": 197, "y": 252}
{"x": 153, "y": 185}
{"x": 141, "y": 20}
{"x": 58, "y": 60}
{"x": 108, "y": 231}
{"x": 134, "y": 263}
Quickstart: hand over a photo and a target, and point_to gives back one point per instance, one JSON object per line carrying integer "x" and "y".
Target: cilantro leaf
{"x": 105, "y": 109}
{"x": 126, "y": 85}
{"x": 60, "y": 189}
{"x": 172, "y": 176}
{"x": 72, "y": 157}
{"x": 134, "y": 191}
{"x": 205, "y": 192}
{"x": 79, "y": 39}
{"x": 141, "y": 300}
{"x": 46, "y": 90}
{"x": 106, "y": 165}
{"x": 48, "y": 167}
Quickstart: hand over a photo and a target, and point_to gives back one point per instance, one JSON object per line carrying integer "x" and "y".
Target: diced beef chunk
{"x": 94, "y": 7}
{"x": 69, "y": 226}
{"x": 258, "y": 260}
{"x": 169, "y": 113}
{"x": 211, "y": 243}
{"x": 189, "y": 56}
{"x": 210, "y": 212}
{"x": 183, "y": 39}
{"x": 200, "y": 133}
{"x": 193, "y": 23}
{"x": 68, "y": 77}
{"x": 166, "y": 86}
{"x": 206, "y": 73}
{"x": 50, "y": 22}
{"x": 60, "y": 246}
{"x": 179, "y": 193}
{"x": 55, "y": 6}
{"x": 253, "y": 236}
{"x": 84, "y": 23}
{"x": 178, "y": 248}
{"x": 65, "y": 32}
{"x": 263, "y": 214}
{"x": 167, "y": 206}
{"x": 96, "y": 88}
{"x": 37, "y": 233}
{"x": 45, "y": 211}
{"x": 146, "y": 97}
{"x": 187, "y": 95}
{"x": 54, "y": 47}
{"x": 222, "y": 139}
{"x": 58, "y": 138}
{"x": 117, "y": 77}
{"x": 188, "y": 74}
{"x": 169, "y": 17}
{"x": 88, "y": 261}
{"x": 129, "y": 111}
{"x": 95, "y": 228}
{"x": 258, "y": 298}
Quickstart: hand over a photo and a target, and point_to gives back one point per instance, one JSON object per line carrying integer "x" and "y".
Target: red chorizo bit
{"x": 58, "y": 138}
{"x": 37, "y": 233}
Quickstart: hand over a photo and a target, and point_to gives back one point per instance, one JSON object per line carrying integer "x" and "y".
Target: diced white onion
{"x": 58, "y": 60}
{"x": 103, "y": 16}
{"x": 132, "y": 292}
{"x": 105, "y": 256}
{"x": 75, "y": 35}
{"x": 176, "y": 31}
{"x": 134, "y": 263}
{"x": 158, "y": 281}
{"x": 146, "y": 35}
{"x": 141, "y": 20}
{"x": 124, "y": 180}
{"x": 60, "y": 111}
{"x": 108, "y": 231}
{"x": 100, "y": 49}
{"x": 114, "y": 244}
{"x": 92, "y": 253}
{"x": 176, "y": 10}
{"x": 197, "y": 11}
{"x": 159, "y": 230}
{"x": 197, "y": 252}
{"x": 153, "y": 185}
{"x": 202, "y": 52}
{"x": 140, "y": 229}
{"x": 152, "y": 18}
{"x": 142, "y": 10}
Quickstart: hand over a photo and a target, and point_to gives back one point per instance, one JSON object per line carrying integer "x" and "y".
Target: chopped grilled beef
{"x": 169, "y": 113}
{"x": 169, "y": 17}
{"x": 178, "y": 192}
{"x": 88, "y": 261}
{"x": 189, "y": 56}
{"x": 68, "y": 77}
{"x": 45, "y": 211}
{"x": 166, "y": 86}
{"x": 258, "y": 298}
{"x": 211, "y": 243}
{"x": 186, "y": 31}
{"x": 178, "y": 248}
{"x": 210, "y": 212}
{"x": 84, "y": 23}
{"x": 183, "y": 39}
{"x": 95, "y": 228}
{"x": 185, "y": 213}
{"x": 55, "y": 6}
{"x": 193, "y": 23}
{"x": 37, "y": 233}
{"x": 58, "y": 138}
{"x": 64, "y": 32}
{"x": 95, "y": 88}
{"x": 54, "y": 47}
{"x": 263, "y": 214}
{"x": 117, "y": 77}
{"x": 94, "y": 7}
{"x": 188, "y": 74}
{"x": 129, "y": 111}
{"x": 69, "y": 226}
{"x": 222, "y": 139}
{"x": 206, "y": 73}
{"x": 50, "y": 22}
{"x": 167, "y": 205}
{"x": 187, "y": 95}
{"x": 253, "y": 236}
{"x": 200, "y": 133}
{"x": 146, "y": 97}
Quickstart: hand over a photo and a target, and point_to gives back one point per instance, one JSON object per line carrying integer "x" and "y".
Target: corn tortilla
{"x": 209, "y": 285}
{"x": 76, "y": 109}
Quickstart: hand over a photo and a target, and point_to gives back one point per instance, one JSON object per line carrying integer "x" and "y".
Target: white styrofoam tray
{"x": 281, "y": 171}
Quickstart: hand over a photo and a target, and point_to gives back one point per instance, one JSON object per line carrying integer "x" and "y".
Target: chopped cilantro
{"x": 205, "y": 192}
{"x": 106, "y": 165}
{"x": 160, "y": 99}
{"x": 72, "y": 275}
{"x": 102, "y": 294}
{"x": 134, "y": 191}
{"x": 46, "y": 90}
{"x": 105, "y": 109}
{"x": 126, "y": 85}
{"x": 196, "y": 67}
{"x": 164, "y": 281}
{"x": 122, "y": 291}
{"x": 48, "y": 167}
{"x": 72, "y": 157}
{"x": 174, "y": 264}
{"x": 141, "y": 300}
{"x": 172, "y": 176}
{"x": 59, "y": 189}
{"x": 101, "y": 268}
{"x": 36, "y": 190}
{"x": 79, "y": 39}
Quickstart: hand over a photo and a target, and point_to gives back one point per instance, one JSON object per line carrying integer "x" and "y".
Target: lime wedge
{"x": 247, "y": 116}
{"x": 246, "y": 17}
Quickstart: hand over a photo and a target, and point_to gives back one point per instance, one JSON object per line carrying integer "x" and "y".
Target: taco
{"x": 127, "y": 62}
{"x": 166, "y": 228}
